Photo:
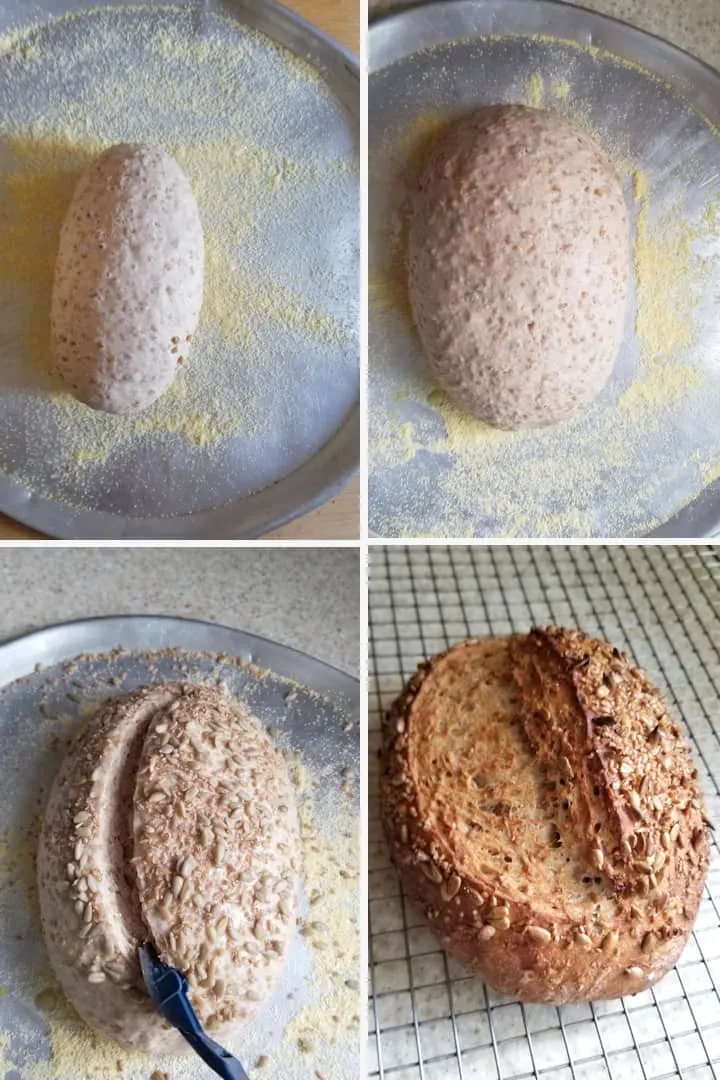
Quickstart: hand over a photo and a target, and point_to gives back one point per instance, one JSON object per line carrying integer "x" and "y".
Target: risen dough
{"x": 519, "y": 259}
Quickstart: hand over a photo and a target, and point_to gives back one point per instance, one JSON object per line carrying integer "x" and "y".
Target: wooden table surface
{"x": 338, "y": 519}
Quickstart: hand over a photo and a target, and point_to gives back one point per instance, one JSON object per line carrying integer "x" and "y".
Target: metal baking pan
{"x": 48, "y": 678}
{"x": 302, "y": 444}
{"x": 654, "y": 106}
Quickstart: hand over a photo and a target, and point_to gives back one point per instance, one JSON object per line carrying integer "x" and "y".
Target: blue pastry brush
{"x": 168, "y": 989}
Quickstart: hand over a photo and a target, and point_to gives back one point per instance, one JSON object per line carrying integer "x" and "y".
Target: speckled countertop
{"x": 692, "y": 24}
{"x": 307, "y": 598}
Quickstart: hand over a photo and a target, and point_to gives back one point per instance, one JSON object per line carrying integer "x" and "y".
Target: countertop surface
{"x": 338, "y": 519}
{"x": 694, "y": 25}
{"x": 307, "y": 598}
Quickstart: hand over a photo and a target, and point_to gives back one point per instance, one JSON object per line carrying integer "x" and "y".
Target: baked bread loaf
{"x": 172, "y": 820}
{"x": 542, "y": 806}
{"x": 519, "y": 260}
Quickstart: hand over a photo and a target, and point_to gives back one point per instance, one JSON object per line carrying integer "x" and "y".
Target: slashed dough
{"x": 518, "y": 266}
{"x": 172, "y": 820}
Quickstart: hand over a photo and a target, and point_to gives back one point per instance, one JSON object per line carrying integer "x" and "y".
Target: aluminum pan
{"x": 313, "y": 481}
{"x": 395, "y": 36}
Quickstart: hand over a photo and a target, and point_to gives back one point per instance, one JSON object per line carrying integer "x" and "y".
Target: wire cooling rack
{"x": 428, "y": 1019}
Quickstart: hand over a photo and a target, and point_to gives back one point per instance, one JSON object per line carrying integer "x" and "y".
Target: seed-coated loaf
{"x": 172, "y": 820}
{"x": 542, "y": 806}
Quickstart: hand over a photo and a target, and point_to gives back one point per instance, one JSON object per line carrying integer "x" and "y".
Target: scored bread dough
{"x": 543, "y": 808}
{"x": 172, "y": 820}
{"x": 128, "y": 280}
{"x": 519, "y": 260}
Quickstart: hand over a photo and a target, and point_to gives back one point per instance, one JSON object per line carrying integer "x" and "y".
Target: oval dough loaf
{"x": 542, "y": 806}
{"x": 518, "y": 266}
{"x": 173, "y": 820}
{"x": 128, "y": 280}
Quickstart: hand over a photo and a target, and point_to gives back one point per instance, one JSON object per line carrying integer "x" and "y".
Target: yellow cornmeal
{"x": 535, "y": 91}
{"x": 665, "y": 295}
{"x": 239, "y": 184}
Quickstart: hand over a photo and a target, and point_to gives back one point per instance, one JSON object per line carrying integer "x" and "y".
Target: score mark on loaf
{"x": 541, "y": 804}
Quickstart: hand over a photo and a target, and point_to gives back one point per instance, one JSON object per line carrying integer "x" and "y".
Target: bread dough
{"x": 172, "y": 820}
{"x": 128, "y": 280}
{"x": 518, "y": 262}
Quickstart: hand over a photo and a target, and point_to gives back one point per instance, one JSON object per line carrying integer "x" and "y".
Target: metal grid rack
{"x": 427, "y": 1019}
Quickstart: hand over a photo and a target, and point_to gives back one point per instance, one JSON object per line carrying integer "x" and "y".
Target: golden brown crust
{"x": 542, "y": 806}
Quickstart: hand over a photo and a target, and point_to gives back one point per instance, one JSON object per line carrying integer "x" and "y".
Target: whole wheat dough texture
{"x": 518, "y": 265}
{"x": 128, "y": 280}
{"x": 542, "y": 806}
{"x": 172, "y": 820}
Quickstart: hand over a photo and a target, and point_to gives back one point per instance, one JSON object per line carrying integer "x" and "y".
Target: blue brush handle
{"x": 168, "y": 988}
{"x": 219, "y": 1060}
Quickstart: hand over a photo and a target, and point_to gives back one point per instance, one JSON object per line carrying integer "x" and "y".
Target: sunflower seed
{"x": 96, "y": 977}
{"x": 177, "y": 885}
{"x": 431, "y": 872}
{"x": 79, "y": 848}
{"x": 79, "y": 908}
{"x": 400, "y": 725}
{"x": 186, "y": 867}
{"x": 648, "y": 941}
{"x": 538, "y": 934}
{"x": 634, "y": 800}
{"x": 82, "y": 818}
{"x": 85, "y": 929}
{"x": 583, "y": 940}
{"x": 451, "y": 887}
{"x": 634, "y": 972}
{"x": 486, "y": 932}
{"x": 610, "y": 942}
{"x": 219, "y": 853}
{"x": 597, "y": 857}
